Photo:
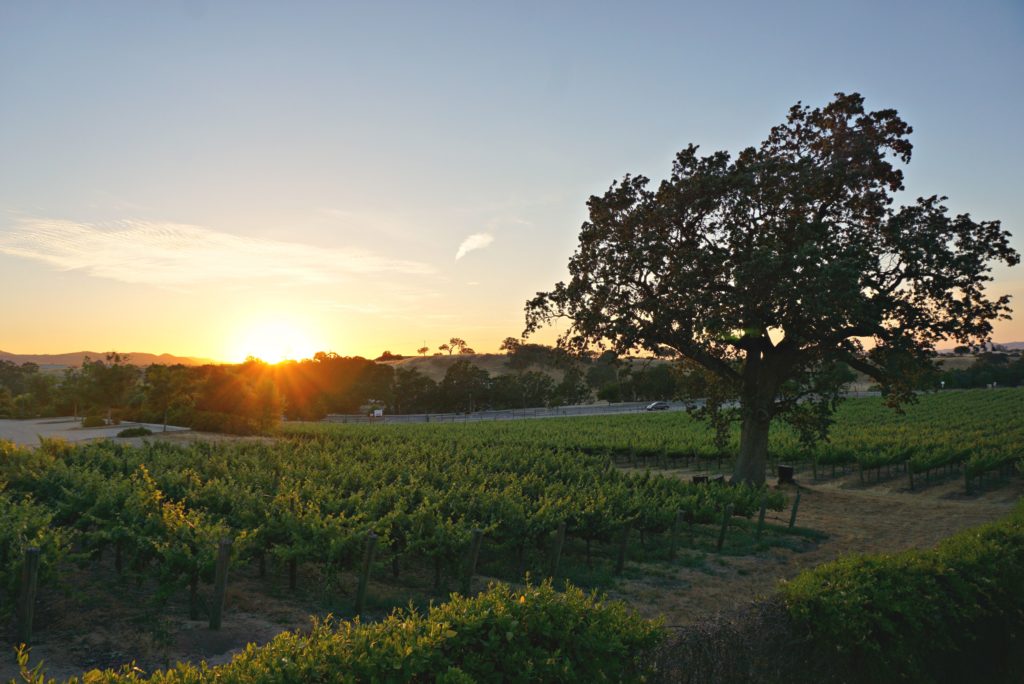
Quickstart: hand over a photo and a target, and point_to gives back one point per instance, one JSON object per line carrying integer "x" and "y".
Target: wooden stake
{"x": 556, "y": 554}
{"x": 796, "y": 505}
{"x": 726, "y": 515}
{"x": 674, "y": 538}
{"x": 620, "y": 561}
{"x": 474, "y": 554}
{"x": 27, "y": 604}
{"x": 220, "y": 582}
{"x": 364, "y": 576}
{"x": 760, "y": 517}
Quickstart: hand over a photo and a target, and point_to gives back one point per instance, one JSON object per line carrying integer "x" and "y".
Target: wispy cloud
{"x": 472, "y": 243}
{"x": 172, "y": 254}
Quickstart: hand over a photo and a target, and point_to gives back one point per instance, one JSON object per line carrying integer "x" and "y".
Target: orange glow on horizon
{"x": 273, "y": 341}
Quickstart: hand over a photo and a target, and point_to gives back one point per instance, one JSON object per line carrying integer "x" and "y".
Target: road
{"x": 28, "y": 432}
{"x": 523, "y": 414}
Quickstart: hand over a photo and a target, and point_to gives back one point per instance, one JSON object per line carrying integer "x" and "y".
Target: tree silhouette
{"x": 771, "y": 269}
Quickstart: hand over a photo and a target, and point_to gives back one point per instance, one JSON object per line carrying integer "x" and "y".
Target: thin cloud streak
{"x": 172, "y": 254}
{"x": 472, "y": 243}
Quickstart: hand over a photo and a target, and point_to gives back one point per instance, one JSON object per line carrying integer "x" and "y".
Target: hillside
{"x": 74, "y": 359}
{"x": 434, "y": 367}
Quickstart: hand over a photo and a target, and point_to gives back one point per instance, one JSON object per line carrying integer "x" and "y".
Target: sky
{"x": 219, "y": 179}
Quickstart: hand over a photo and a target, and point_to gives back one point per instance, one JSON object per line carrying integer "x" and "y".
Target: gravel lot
{"x": 28, "y": 432}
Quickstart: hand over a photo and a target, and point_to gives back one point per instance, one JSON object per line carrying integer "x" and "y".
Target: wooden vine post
{"x": 726, "y": 516}
{"x": 796, "y": 505}
{"x": 556, "y": 553}
{"x": 364, "y": 575}
{"x": 760, "y": 517}
{"x": 620, "y": 561}
{"x": 27, "y": 600}
{"x": 220, "y": 582}
{"x": 674, "y": 539}
{"x": 474, "y": 555}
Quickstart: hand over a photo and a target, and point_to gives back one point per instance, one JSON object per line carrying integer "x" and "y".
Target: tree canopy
{"x": 770, "y": 269}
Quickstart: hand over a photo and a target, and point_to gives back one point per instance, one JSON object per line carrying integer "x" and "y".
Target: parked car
{"x": 658, "y": 406}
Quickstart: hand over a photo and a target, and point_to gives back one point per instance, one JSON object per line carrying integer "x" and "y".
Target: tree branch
{"x": 866, "y": 368}
{"x": 712, "y": 363}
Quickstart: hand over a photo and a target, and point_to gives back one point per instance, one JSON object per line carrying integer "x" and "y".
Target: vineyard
{"x": 421, "y": 510}
{"x": 975, "y": 431}
{"x": 322, "y": 505}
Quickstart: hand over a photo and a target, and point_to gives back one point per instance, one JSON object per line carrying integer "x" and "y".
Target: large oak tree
{"x": 770, "y": 270}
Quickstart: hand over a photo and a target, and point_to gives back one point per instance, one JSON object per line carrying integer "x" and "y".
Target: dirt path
{"x": 880, "y": 518}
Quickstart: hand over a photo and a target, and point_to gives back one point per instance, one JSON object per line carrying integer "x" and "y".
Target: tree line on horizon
{"x": 251, "y": 397}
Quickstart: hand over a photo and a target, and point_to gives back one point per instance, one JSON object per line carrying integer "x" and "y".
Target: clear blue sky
{"x": 189, "y": 177}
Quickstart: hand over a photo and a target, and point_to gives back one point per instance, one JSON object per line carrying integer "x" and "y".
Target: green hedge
{"x": 951, "y": 614}
{"x": 505, "y": 634}
{"x": 135, "y": 432}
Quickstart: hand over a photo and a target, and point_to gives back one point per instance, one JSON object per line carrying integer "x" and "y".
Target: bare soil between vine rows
{"x": 883, "y": 517}
{"x": 106, "y": 623}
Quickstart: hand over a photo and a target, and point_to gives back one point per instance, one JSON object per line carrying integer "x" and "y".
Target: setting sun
{"x": 274, "y": 341}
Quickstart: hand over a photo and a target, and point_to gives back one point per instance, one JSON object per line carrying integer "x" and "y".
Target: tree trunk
{"x": 753, "y": 444}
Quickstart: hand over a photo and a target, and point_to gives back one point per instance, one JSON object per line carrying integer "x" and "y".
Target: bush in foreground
{"x": 504, "y": 634}
{"x": 954, "y": 613}
{"x": 950, "y": 614}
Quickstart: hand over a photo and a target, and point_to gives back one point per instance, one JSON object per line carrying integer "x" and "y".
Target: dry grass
{"x": 877, "y": 518}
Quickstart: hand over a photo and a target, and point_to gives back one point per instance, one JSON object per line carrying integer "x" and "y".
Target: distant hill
{"x": 434, "y": 367}
{"x": 74, "y": 359}
{"x": 1009, "y": 346}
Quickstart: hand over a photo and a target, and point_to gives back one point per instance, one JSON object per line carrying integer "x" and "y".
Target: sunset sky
{"x": 219, "y": 179}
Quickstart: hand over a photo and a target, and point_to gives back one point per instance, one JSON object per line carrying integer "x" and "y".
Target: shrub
{"x": 135, "y": 432}
{"x": 213, "y": 421}
{"x": 955, "y": 613}
{"x": 93, "y": 421}
{"x": 25, "y": 406}
{"x": 531, "y": 635}
{"x": 24, "y": 524}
